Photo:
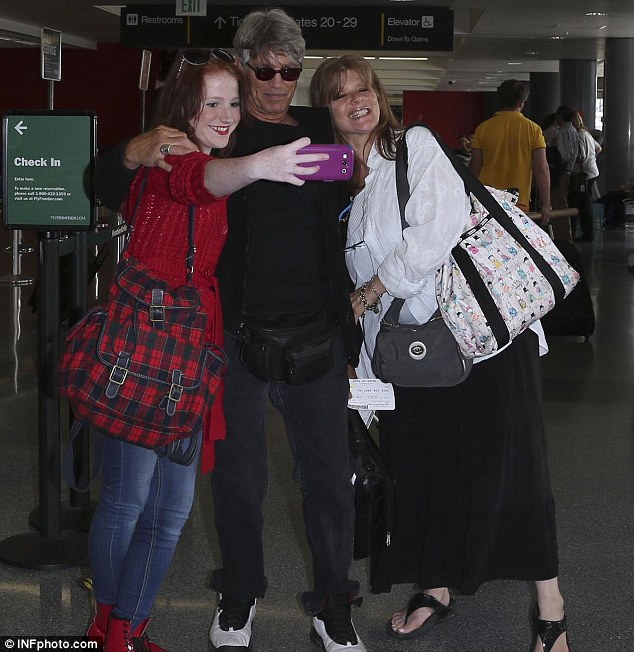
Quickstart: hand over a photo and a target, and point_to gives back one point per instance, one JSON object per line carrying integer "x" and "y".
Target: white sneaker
{"x": 232, "y": 624}
{"x": 332, "y": 629}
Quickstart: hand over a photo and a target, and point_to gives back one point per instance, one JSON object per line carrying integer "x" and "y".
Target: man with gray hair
{"x": 290, "y": 264}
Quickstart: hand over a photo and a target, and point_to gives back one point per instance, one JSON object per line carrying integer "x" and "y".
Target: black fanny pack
{"x": 292, "y": 348}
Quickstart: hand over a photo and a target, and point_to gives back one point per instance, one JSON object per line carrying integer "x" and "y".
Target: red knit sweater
{"x": 160, "y": 241}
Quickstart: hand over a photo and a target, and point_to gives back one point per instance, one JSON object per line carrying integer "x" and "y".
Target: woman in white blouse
{"x": 473, "y": 498}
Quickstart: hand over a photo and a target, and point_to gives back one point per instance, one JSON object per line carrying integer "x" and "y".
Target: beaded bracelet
{"x": 374, "y": 307}
{"x": 370, "y": 283}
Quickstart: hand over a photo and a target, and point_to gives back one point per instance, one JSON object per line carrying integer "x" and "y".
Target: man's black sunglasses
{"x": 266, "y": 74}
{"x": 199, "y": 57}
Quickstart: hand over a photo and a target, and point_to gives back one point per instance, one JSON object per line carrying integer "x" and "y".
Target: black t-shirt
{"x": 276, "y": 257}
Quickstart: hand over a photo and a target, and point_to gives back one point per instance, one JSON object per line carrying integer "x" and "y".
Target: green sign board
{"x": 48, "y": 160}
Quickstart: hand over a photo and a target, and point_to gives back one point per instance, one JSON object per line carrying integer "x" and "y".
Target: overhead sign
{"x": 51, "y": 54}
{"x": 326, "y": 27}
{"x": 48, "y": 159}
{"x": 191, "y": 7}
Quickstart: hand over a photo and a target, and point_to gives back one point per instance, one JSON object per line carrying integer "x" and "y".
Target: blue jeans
{"x": 317, "y": 428}
{"x": 144, "y": 503}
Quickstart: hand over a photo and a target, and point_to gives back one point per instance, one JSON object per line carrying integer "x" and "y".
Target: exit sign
{"x": 191, "y": 7}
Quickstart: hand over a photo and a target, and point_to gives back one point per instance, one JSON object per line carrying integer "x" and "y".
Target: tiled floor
{"x": 589, "y": 394}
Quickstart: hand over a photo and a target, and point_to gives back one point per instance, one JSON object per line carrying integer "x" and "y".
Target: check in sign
{"x": 48, "y": 161}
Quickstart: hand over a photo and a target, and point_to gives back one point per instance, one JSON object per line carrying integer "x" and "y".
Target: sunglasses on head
{"x": 199, "y": 57}
{"x": 265, "y": 73}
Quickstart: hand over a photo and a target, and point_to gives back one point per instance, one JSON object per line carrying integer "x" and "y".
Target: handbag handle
{"x": 474, "y": 186}
{"x": 191, "y": 246}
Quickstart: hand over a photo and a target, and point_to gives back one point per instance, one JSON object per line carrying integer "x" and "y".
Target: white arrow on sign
{"x": 220, "y": 21}
{"x": 21, "y": 128}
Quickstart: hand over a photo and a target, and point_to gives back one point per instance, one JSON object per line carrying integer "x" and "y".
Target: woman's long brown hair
{"x": 326, "y": 85}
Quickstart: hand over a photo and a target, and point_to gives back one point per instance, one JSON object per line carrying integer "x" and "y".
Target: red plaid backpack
{"x": 139, "y": 369}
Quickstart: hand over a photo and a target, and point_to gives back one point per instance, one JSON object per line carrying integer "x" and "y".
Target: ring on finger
{"x": 165, "y": 149}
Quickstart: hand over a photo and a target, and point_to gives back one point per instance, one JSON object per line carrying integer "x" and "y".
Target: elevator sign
{"x": 327, "y": 27}
{"x": 48, "y": 160}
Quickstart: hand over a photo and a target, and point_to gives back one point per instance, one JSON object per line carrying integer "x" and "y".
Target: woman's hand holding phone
{"x": 337, "y": 167}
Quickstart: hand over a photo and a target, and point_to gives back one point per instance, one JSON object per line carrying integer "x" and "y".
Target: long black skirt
{"x": 473, "y": 497}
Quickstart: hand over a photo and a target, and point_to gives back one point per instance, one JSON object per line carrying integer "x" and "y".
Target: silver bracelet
{"x": 374, "y": 307}
{"x": 371, "y": 285}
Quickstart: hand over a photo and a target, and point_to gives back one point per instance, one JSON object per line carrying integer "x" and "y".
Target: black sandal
{"x": 549, "y": 631}
{"x": 440, "y": 613}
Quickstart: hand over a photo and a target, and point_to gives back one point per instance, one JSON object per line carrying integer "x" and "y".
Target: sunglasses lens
{"x": 223, "y": 55}
{"x": 264, "y": 74}
{"x": 196, "y": 57}
{"x": 290, "y": 74}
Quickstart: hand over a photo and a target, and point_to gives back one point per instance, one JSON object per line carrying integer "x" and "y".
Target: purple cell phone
{"x": 337, "y": 168}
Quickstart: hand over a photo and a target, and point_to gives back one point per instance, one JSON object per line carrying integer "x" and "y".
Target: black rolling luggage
{"x": 575, "y": 314}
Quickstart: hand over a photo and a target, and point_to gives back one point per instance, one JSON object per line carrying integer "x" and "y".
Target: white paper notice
{"x": 370, "y": 394}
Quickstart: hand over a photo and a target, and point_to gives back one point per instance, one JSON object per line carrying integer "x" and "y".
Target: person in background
{"x": 145, "y": 498}
{"x": 568, "y": 146}
{"x": 550, "y": 129}
{"x": 473, "y": 500}
{"x": 508, "y": 149}
{"x": 586, "y": 171}
{"x": 568, "y": 138}
{"x": 283, "y": 255}
{"x": 463, "y": 152}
